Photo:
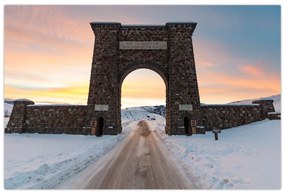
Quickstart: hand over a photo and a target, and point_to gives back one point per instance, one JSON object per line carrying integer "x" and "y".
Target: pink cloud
{"x": 252, "y": 70}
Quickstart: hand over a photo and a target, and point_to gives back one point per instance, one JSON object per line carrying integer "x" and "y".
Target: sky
{"x": 48, "y": 51}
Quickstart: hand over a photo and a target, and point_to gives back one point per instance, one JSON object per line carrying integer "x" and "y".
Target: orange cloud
{"x": 218, "y": 87}
{"x": 153, "y": 88}
{"x": 73, "y": 94}
{"x": 252, "y": 71}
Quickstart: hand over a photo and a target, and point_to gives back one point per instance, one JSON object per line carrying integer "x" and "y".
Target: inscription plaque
{"x": 143, "y": 45}
{"x": 187, "y": 107}
{"x": 101, "y": 107}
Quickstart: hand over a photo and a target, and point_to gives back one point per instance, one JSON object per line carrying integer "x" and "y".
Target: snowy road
{"x": 139, "y": 162}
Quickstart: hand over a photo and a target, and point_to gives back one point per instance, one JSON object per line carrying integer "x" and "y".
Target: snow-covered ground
{"x": 45, "y": 160}
{"x": 245, "y": 157}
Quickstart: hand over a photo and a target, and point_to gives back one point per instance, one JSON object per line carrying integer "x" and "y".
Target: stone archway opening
{"x": 142, "y": 86}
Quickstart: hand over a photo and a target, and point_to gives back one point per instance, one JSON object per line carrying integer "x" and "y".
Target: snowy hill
{"x": 139, "y": 113}
{"x": 275, "y": 98}
{"x": 160, "y": 110}
{"x": 8, "y": 107}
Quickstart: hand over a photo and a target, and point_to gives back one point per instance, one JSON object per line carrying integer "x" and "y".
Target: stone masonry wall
{"x": 56, "y": 119}
{"x": 73, "y": 119}
{"x": 28, "y": 118}
{"x": 227, "y": 116}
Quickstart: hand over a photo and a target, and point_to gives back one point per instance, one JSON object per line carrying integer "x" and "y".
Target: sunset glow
{"x": 48, "y": 52}
{"x": 143, "y": 87}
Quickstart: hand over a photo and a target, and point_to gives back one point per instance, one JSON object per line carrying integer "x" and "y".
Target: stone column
{"x": 103, "y": 90}
{"x": 17, "y": 119}
{"x": 184, "y": 100}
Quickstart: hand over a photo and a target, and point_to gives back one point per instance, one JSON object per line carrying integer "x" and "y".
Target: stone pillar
{"x": 266, "y": 107}
{"x": 184, "y": 100}
{"x": 17, "y": 119}
{"x": 103, "y": 90}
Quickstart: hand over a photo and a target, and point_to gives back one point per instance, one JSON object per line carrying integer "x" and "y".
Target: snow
{"x": 137, "y": 113}
{"x": 8, "y": 108}
{"x": 35, "y": 161}
{"x": 245, "y": 157}
{"x": 6, "y": 120}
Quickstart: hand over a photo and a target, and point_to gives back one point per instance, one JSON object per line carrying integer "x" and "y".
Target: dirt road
{"x": 140, "y": 162}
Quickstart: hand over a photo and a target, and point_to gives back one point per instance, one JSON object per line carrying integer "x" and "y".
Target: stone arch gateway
{"x": 119, "y": 50}
{"x": 167, "y": 50}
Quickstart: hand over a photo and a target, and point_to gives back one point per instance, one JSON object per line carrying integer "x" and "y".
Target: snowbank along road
{"x": 139, "y": 162}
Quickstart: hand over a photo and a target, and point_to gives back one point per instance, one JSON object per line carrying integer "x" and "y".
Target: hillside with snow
{"x": 139, "y": 113}
{"x": 276, "y": 101}
{"x": 8, "y": 107}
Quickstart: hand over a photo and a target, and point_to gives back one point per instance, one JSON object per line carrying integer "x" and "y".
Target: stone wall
{"x": 71, "y": 119}
{"x": 227, "y": 116}
{"x": 75, "y": 119}
{"x": 56, "y": 119}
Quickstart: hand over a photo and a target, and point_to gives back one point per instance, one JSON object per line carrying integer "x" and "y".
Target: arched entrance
{"x": 150, "y": 66}
{"x": 143, "y": 87}
{"x": 165, "y": 49}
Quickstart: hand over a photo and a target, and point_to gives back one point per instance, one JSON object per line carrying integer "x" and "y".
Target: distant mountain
{"x": 160, "y": 110}
{"x": 139, "y": 113}
{"x": 7, "y": 109}
{"x": 276, "y": 101}
{"x": 9, "y": 100}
